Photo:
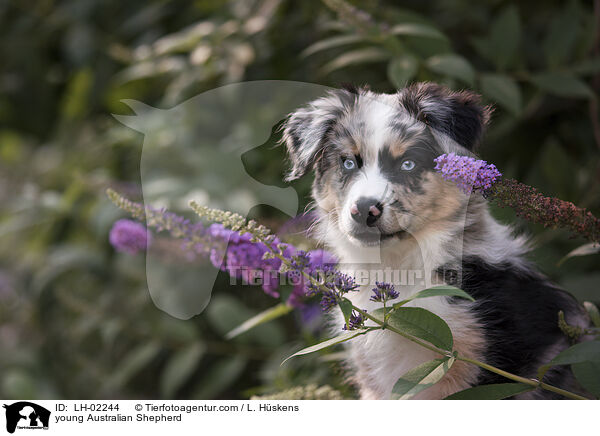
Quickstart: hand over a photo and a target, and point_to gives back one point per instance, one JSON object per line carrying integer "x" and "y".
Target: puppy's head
{"x": 373, "y": 157}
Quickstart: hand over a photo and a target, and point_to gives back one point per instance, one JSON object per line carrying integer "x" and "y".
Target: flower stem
{"x": 527, "y": 381}
{"x": 514, "y": 377}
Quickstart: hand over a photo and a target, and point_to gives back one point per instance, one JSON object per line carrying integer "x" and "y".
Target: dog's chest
{"x": 380, "y": 358}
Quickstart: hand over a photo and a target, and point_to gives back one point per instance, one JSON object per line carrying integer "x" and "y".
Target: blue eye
{"x": 408, "y": 165}
{"x": 349, "y": 164}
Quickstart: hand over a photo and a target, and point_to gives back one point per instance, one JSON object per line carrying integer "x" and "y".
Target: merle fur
{"x": 518, "y": 309}
{"x": 460, "y": 115}
{"x": 423, "y": 156}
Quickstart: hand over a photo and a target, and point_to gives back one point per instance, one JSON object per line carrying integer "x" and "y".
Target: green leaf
{"x": 562, "y": 36}
{"x": 417, "y": 29}
{"x": 443, "y": 290}
{"x": 354, "y": 57}
{"x": 325, "y": 44}
{"x": 505, "y": 37}
{"x": 562, "y": 84}
{"x": 582, "y": 352}
{"x": 360, "y": 20}
{"x": 482, "y": 47}
{"x": 180, "y": 368}
{"x": 584, "y": 250}
{"x": 346, "y": 308}
{"x": 593, "y": 312}
{"x": 588, "y": 375}
{"x": 401, "y": 70}
{"x": 420, "y": 323}
{"x": 583, "y": 286}
{"x": 503, "y": 90}
{"x": 75, "y": 102}
{"x": 225, "y": 314}
{"x": 421, "y": 378}
{"x": 136, "y": 360}
{"x": 587, "y": 67}
{"x": 452, "y": 65}
{"x": 557, "y": 178}
{"x": 268, "y": 315}
{"x": 220, "y": 376}
{"x": 19, "y": 383}
{"x": 346, "y": 336}
{"x": 491, "y": 392}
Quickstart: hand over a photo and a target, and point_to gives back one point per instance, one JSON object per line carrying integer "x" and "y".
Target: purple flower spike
{"x": 321, "y": 260}
{"x": 128, "y": 236}
{"x": 312, "y": 263}
{"x": 467, "y": 172}
{"x": 329, "y": 300}
{"x": 300, "y": 261}
{"x": 344, "y": 283}
{"x": 356, "y": 320}
{"x": 383, "y": 292}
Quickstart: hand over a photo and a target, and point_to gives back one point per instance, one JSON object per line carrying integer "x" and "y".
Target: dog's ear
{"x": 460, "y": 115}
{"x": 305, "y": 131}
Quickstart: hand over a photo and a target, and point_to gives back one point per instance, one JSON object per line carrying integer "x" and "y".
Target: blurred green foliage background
{"x": 76, "y": 320}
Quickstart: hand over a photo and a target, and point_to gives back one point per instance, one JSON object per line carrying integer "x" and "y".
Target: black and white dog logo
{"x": 26, "y": 415}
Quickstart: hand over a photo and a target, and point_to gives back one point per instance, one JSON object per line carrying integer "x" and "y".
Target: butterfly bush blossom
{"x": 229, "y": 250}
{"x": 128, "y": 236}
{"x": 383, "y": 292}
{"x": 553, "y": 212}
{"x": 244, "y": 259}
{"x": 472, "y": 174}
{"x": 312, "y": 263}
{"x": 336, "y": 285}
{"x": 467, "y": 172}
{"x": 355, "y": 321}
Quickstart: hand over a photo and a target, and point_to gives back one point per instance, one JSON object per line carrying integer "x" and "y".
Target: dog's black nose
{"x": 366, "y": 211}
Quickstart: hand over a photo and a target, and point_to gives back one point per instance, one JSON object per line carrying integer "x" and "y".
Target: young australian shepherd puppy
{"x": 383, "y": 208}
